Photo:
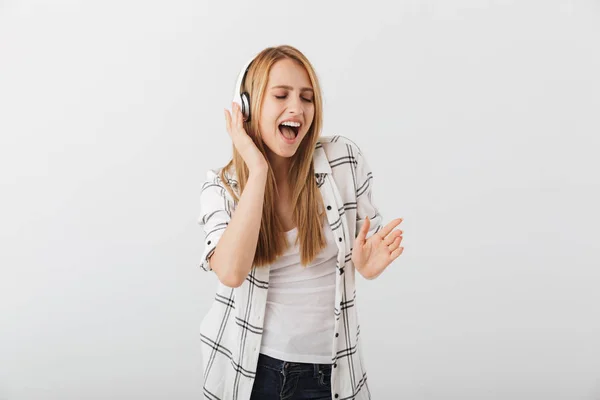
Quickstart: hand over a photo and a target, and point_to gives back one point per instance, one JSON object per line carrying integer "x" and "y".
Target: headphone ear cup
{"x": 245, "y": 97}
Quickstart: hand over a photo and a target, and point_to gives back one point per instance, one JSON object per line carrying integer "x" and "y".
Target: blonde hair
{"x": 307, "y": 203}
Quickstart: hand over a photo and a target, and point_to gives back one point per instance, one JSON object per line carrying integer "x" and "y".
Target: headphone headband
{"x": 243, "y": 99}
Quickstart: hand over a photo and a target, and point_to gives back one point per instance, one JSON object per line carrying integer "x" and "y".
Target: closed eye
{"x": 307, "y": 100}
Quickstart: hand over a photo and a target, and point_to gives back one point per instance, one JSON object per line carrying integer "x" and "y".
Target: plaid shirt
{"x": 232, "y": 329}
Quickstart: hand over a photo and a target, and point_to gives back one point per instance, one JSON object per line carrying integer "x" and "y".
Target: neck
{"x": 281, "y": 166}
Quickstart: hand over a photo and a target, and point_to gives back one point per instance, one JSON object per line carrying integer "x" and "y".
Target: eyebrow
{"x": 291, "y": 88}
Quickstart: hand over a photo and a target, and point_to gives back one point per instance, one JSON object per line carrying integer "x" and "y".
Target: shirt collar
{"x": 320, "y": 160}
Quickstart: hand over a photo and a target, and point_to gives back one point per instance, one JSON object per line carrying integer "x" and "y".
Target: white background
{"x": 480, "y": 120}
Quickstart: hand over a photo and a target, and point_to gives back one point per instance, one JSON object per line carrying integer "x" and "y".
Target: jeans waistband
{"x": 280, "y": 365}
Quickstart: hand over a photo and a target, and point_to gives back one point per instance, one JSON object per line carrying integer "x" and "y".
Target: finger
{"x": 363, "y": 231}
{"x": 389, "y": 239}
{"x": 396, "y": 253}
{"x": 227, "y": 121}
{"x": 240, "y": 118}
{"x": 394, "y": 245}
{"x": 388, "y": 228}
{"x": 236, "y": 110}
{"x": 234, "y": 114}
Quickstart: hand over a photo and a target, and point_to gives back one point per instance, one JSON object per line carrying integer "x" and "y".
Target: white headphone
{"x": 243, "y": 99}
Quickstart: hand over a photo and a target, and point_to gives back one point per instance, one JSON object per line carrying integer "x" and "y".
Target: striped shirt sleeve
{"x": 365, "y": 205}
{"x": 215, "y": 214}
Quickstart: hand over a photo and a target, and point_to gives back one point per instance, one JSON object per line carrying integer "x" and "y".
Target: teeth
{"x": 289, "y": 123}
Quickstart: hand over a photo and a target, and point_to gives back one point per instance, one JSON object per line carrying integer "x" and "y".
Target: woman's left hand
{"x": 371, "y": 256}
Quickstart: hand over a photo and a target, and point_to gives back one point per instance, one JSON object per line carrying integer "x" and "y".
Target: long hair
{"x": 307, "y": 203}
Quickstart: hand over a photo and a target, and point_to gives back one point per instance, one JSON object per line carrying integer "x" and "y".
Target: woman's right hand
{"x": 242, "y": 141}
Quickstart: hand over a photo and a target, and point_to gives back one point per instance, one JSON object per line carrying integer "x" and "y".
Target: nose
{"x": 295, "y": 104}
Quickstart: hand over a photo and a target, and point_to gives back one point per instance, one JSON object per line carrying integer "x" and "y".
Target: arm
{"x": 235, "y": 235}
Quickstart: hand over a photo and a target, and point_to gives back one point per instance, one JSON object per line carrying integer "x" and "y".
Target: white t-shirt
{"x": 299, "y": 315}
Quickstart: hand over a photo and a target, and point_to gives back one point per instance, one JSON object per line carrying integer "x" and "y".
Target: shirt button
{"x": 329, "y": 207}
{"x": 337, "y": 395}
{"x": 337, "y": 334}
{"x": 334, "y": 365}
{"x": 208, "y": 242}
{"x": 340, "y": 239}
{"x": 341, "y": 271}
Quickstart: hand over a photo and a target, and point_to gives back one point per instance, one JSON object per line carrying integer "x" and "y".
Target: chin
{"x": 286, "y": 153}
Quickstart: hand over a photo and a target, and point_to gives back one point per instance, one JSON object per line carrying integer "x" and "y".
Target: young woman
{"x": 288, "y": 221}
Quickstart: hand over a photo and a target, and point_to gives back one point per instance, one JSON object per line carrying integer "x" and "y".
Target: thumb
{"x": 363, "y": 231}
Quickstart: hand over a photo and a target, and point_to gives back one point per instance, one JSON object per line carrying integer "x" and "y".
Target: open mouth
{"x": 289, "y": 132}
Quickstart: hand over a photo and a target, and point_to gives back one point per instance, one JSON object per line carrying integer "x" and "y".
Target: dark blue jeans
{"x": 282, "y": 380}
